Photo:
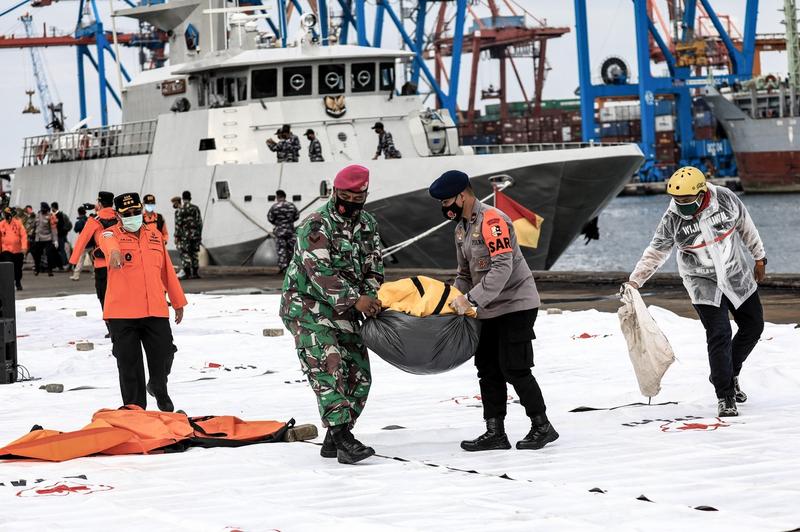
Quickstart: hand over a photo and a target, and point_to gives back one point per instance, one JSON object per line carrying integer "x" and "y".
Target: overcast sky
{"x": 611, "y": 32}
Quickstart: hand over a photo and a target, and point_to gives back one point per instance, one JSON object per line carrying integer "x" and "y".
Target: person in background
{"x": 153, "y": 218}
{"x": 314, "y": 147}
{"x": 282, "y": 215}
{"x": 493, "y": 277}
{"x": 28, "y": 217}
{"x": 80, "y": 223}
{"x": 13, "y": 243}
{"x": 63, "y": 227}
{"x": 137, "y": 312}
{"x": 189, "y": 236}
{"x": 715, "y": 237}
{"x": 331, "y": 282}
{"x": 293, "y": 144}
{"x": 385, "y": 143}
{"x": 44, "y": 235}
{"x": 105, "y": 218}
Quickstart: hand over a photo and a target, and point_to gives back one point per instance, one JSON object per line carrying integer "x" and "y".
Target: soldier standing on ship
{"x": 385, "y": 143}
{"x": 283, "y": 214}
{"x": 314, "y": 147}
{"x": 188, "y": 236}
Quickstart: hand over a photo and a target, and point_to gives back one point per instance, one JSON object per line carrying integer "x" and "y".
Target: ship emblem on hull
{"x": 335, "y": 106}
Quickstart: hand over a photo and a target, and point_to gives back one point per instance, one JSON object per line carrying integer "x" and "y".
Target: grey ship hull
{"x": 566, "y": 187}
{"x": 767, "y": 149}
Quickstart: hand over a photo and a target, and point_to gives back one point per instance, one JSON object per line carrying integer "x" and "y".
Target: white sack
{"x": 648, "y": 348}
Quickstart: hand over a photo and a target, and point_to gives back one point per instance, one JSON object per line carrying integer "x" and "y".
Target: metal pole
{"x": 282, "y": 21}
{"x": 116, "y": 45}
{"x": 455, "y": 65}
{"x": 323, "y": 21}
{"x": 584, "y": 73}
{"x": 377, "y": 36}
{"x": 646, "y": 85}
{"x": 361, "y": 24}
{"x": 419, "y": 38}
{"x": 81, "y": 82}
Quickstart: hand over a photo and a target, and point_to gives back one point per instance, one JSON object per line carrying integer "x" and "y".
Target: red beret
{"x": 353, "y": 177}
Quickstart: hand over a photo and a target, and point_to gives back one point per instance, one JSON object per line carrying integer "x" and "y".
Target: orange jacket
{"x": 91, "y": 232}
{"x": 13, "y": 237}
{"x": 152, "y": 219}
{"x": 137, "y": 289}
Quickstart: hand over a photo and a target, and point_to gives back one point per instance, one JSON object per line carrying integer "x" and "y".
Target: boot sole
{"x": 349, "y": 460}
{"x": 328, "y": 454}
{"x": 301, "y": 433}
{"x": 550, "y": 439}
{"x": 503, "y": 447}
{"x": 728, "y": 414}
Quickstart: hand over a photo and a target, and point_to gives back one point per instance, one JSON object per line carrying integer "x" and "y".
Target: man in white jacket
{"x": 714, "y": 233}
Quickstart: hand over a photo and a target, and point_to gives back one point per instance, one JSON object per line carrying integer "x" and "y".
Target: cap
{"x": 8, "y": 210}
{"x": 175, "y": 199}
{"x": 149, "y": 198}
{"x": 106, "y": 198}
{"x": 44, "y": 206}
{"x": 309, "y": 132}
{"x": 186, "y": 195}
{"x": 449, "y": 185}
{"x": 125, "y": 202}
{"x": 353, "y": 177}
{"x": 378, "y": 125}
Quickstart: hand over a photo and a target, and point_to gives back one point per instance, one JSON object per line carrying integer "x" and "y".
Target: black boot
{"x": 164, "y": 403}
{"x": 19, "y": 285}
{"x": 494, "y": 438}
{"x": 328, "y": 449}
{"x": 738, "y": 394}
{"x": 541, "y": 433}
{"x": 726, "y": 407}
{"x": 348, "y": 449}
{"x": 195, "y": 273}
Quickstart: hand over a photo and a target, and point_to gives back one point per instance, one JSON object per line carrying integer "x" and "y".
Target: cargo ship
{"x": 765, "y": 136}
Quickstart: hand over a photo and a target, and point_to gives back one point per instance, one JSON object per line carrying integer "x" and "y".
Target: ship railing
{"x": 130, "y": 138}
{"x": 492, "y": 149}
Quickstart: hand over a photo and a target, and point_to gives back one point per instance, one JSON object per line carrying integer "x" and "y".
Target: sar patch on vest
{"x": 496, "y": 234}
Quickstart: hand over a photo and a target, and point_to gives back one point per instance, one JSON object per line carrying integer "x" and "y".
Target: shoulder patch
{"x": 496, "y": 234}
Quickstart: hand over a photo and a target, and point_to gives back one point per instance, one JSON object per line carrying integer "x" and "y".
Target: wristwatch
{"x": 471, "y": 301}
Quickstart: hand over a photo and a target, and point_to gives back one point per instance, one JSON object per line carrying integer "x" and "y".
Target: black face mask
{"x": 8, "y": 217}
{"x": 453, "y": 211}
{"x": 348, "y": 209}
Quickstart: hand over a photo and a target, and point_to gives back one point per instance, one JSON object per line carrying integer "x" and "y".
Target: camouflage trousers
{"x": 336, "y": 364}
{"x": 189, "y": 250}
{"x": 284, "y": 245}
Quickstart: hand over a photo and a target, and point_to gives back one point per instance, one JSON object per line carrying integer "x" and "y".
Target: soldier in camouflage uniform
{"x": 333, "y": 279}
{"x": 283, "y": 215}
{"x": 314, "y": 147}
{"x": 288, "y": 146}
{"x": 385, "y": 143}
{"x": 188, "y": 236}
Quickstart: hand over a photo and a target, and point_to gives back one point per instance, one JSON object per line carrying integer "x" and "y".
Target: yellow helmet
{"x": 686, "y": 181}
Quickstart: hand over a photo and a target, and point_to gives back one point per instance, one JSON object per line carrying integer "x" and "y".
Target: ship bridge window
{"x": 362, "y": 77}
{"x": 387, "y": 76}
{"x": 297, "y": 81}
{"x": 331, "y": 79}
{"x": 265, "y": 83}
{"x": 227, "y": 90}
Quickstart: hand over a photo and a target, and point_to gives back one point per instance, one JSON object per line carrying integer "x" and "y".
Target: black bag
{"x": 423, "y": 346}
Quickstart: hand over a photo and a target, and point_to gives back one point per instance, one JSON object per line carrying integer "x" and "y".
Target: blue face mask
{"x": 150, "y": 207}
{"x": 132, "y": 223}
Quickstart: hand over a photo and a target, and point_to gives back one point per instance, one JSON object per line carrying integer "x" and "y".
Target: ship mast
{"x": 793, "y": 53}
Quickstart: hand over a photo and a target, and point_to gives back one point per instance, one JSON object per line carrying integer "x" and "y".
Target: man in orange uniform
{"x": 136, "y": 309}
{"x": 153, "y": 218}
{"x": 13, "y": 243}
{"x": 90, "y": 236}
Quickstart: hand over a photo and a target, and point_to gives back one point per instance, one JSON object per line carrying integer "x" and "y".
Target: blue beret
{"x": 449, "y": 185}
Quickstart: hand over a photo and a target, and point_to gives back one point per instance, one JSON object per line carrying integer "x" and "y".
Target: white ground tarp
{"x": 678, "y": 456}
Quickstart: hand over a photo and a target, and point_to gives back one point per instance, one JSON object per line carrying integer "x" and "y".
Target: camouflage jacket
{"x": 283, "y": 215}
{"x": 386, "y": 146}
{"x": 335, "y": 262}
{"x": 188, "y": 223}
{"x": 315, "y": 151}
{"x": 288, "y": 150}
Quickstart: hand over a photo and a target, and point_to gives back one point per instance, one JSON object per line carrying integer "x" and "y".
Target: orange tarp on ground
{"x": 131, "y": 430}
